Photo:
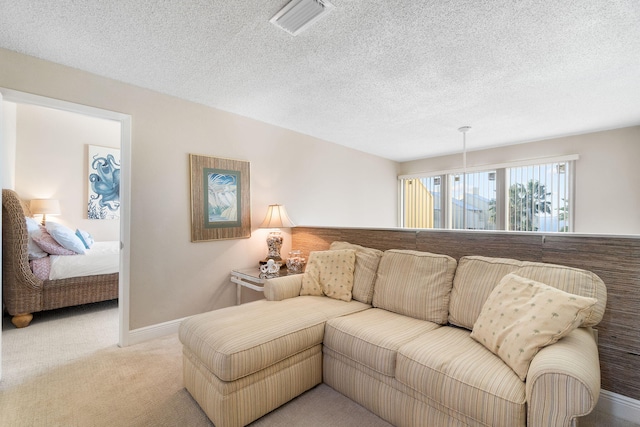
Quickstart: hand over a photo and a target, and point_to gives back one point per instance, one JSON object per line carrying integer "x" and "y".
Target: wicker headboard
{"x": 16, "y": 273}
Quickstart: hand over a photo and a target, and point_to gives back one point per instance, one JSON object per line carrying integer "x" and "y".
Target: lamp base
{"x": 274, "y": 243}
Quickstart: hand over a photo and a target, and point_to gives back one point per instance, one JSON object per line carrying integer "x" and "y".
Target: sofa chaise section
{"x": 244, "y": 361}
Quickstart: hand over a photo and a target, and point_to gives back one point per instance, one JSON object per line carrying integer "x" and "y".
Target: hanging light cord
{"x": 464, "y": 130}
{"x": 464, "y": 152}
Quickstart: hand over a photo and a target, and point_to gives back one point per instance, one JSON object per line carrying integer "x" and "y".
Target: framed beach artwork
{"x": 220, "y": 199}
{"x": 103, "y": 182}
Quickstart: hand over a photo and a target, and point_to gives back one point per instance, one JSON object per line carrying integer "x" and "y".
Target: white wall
{"x": 607, "y": 200}
{"x": 320, "y": 183}
{"x": 51, "y": 162}
{"x": 8, "y": 144}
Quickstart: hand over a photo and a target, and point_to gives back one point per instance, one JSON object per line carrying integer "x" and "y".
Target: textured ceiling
{"x": 394, "y": 78}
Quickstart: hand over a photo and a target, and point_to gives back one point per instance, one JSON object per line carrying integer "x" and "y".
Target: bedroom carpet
{"x": 66, "y": 370}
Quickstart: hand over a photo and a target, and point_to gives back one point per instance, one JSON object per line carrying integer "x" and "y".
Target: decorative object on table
{"x": 220, "y": 202}
{"x": 104, "y": 182}
{"x": 44, "y": 207}
{"x": 295, "y": 262}
{"x": 276, "y": 219}
{"x": 271, "y": 267}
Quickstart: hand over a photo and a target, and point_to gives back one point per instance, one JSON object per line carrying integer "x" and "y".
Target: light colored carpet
{"x": 66, "y": 370}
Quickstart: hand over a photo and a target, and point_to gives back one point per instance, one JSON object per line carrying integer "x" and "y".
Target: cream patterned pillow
{"x": 364, "y": 275}
{"x": 330, "y": 273}
{"x": 521, "y": 316}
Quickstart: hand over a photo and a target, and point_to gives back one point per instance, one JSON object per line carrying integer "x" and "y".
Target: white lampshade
{"x": 277, "y": 218}
{"x": 44, "y": 207}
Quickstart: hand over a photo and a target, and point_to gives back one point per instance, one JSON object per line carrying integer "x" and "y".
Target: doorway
{"x": 124, "y": 227}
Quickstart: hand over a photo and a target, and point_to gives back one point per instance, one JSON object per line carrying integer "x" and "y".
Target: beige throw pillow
{"x": 364, "y": 276}
{"x": 521, "y": 316}
{"x": 330, "y": 273}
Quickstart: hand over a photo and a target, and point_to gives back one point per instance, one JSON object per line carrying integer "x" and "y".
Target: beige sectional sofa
{"x": 419, "y": 339}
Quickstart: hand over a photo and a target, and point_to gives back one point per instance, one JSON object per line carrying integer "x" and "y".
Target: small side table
{"x": 251, "y": 278}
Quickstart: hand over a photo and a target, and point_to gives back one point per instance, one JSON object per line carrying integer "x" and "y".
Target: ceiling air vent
{"x": 298, "y": 15}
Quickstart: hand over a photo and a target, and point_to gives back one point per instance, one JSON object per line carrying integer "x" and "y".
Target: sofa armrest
{"x": 284, "y": 287}
{"x": 563, "y": 381}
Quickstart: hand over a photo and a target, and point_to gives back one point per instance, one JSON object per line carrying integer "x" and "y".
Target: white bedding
{"x": 102, "y": 258}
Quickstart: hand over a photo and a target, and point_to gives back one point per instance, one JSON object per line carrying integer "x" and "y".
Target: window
{"x": 539, "y": 197}
{"x": 473, "y": 201}
{"x": 530, "y": 197}
{"x": 422, "y": 202}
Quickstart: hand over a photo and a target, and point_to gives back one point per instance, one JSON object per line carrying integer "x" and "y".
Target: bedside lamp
{"x": 276, "y": 218}
{"x": 44, "y": 207}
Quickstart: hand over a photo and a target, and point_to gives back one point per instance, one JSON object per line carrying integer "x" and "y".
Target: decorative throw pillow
{"x": 85, "y": 238}
{"x": 41, "y": 268}
{"x": 66, "y": 237}
{"x": 48, "y": 244}
{"x": 330, "y": 273}
{"x": 364, "y": 275}
{"x": 34, "y": 251}
{"x": 521, "y": 316}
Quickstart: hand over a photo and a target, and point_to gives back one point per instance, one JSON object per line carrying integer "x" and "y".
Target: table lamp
{"x": 276, "y": 219}
{"x": 44, "y": 207}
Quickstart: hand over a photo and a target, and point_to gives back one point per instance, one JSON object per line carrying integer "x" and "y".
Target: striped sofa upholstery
{"x": 404, "y": 351}
{"x": 244, "y": 361}
{"x": 477, "y": 275}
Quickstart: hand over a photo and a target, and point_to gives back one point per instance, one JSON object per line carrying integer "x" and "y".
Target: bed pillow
{"x": 521, "y": 316}
{"x": 330, "y": 273}
{"x": 66, "y": 237}
{"x": 43, "y": 239}
{"x": 41, "y": 268}
{"x": 85, "y": 238}
{"x": 34, "y": 251}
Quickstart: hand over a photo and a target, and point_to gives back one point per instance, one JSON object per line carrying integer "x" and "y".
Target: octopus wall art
{"x": 104, "y": 183}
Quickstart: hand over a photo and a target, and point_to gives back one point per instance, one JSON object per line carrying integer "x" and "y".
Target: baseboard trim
{"x": 137, "y": 336}
{"x": 619, "y": 406}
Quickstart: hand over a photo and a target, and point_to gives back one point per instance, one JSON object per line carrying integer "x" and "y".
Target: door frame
{"x": 125, "y": 189}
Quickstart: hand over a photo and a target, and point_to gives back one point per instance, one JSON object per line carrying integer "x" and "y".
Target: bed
{"x": 23, "y": 293}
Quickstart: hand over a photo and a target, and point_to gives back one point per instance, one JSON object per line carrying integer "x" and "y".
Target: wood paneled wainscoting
{"x": 616, "y": 259}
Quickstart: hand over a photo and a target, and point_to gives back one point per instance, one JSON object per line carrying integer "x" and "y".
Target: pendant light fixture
{"x": 464, "y": 130}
